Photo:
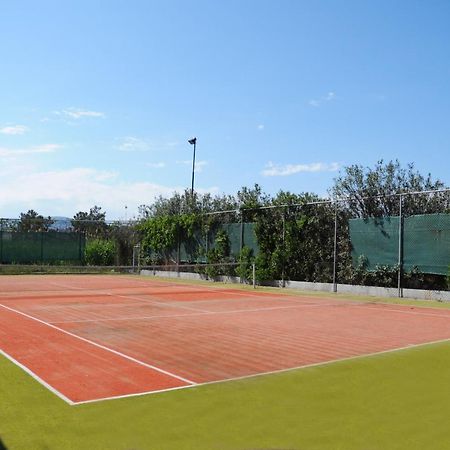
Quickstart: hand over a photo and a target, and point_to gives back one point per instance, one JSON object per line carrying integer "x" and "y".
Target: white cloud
{"x": 324, "y": 99}
{"x": 65, "y": 192}
{"x": 158, "y": 165}
{"x": 133, "y": 144}
{"x": 199, "y": 165}
{"x": 278, "y": 170}
{"x": 45, "y": 148}
{"x": 14, "y": 129}
{"x": 76, "y": 113}
{"x": 260, "y": 127}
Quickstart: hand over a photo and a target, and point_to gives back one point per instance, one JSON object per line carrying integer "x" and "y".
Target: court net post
{"x": 254, "y": 275}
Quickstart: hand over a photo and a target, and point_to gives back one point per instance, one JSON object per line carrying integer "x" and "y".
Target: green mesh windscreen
{"x": 426, "y": 242}
{"x": 194, "y": 249}
{"x": 41, "y": 247}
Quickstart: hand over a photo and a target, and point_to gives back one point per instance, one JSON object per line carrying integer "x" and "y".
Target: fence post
{"x": 241, "y": 242}
{"x": 254, "y": 275}
{"x": 42, "y": 247}
{"x": 400, "y": 247}
{"x": 1, "y": 241}
{"x": 283, "y": 261}
{"x": 178, "y": 250}
{"x": 335, "y": 249}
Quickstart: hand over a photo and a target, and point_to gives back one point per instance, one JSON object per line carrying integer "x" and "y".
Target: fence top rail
{"x": 329, "y": 201}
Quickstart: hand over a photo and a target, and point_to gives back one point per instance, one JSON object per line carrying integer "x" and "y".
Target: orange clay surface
{"x": 91, "y": 337}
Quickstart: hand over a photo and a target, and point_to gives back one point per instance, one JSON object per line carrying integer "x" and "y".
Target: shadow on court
{"x": 2, "y": 445}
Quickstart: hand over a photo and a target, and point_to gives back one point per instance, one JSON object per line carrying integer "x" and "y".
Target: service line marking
{"x": 198, "y": 313}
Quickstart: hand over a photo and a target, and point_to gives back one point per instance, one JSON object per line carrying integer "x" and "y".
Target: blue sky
{"x": 98, "y": 98}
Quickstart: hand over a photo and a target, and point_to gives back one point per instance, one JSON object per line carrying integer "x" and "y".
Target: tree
{"x": 371, "y": 192}
{"x": 91, "y": 223}
{"x": 32, "y": 221}
{"x": 186, "y": 204}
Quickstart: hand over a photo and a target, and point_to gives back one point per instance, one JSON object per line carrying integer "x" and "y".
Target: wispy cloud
{"x": 77, "y": 113}
{"x": 45, "y": 148}
{"x": 14, "y": 129}
{"x": 260, "y": 127}
{"x": 279, "y": 170}
{"x": 199, "y": 165}
{"x": 158, "y": 165}
{"x": 324, "y": 99}
{"x": 133, "y": 144}
{"x": 64, "y": 192}
{"x": 137, "y": 144}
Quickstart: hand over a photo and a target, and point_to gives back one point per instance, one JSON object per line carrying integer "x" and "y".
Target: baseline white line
{"x": 272, "y": 372}
{"x": 123, "y": 355}
{"x": 37, "y": 378}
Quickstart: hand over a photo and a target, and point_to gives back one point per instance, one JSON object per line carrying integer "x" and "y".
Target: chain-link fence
{"x": 67, "y": 243}
{"x": 397, "y": 241}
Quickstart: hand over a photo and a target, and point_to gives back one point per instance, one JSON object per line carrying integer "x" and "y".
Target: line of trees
{"x": 295, "y": 232}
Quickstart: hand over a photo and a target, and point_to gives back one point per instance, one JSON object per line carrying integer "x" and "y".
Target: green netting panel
{"x": 194, "y": 249}
{"x": 63, "y": 247}
{"x": 234, "y": 232}
{"x": 36, "y": 247}
{"x": 375, "y": 241}
{"x": 21, "y": 247}
{"x": 426, "y": 242}
{"x": 250, "y": 239}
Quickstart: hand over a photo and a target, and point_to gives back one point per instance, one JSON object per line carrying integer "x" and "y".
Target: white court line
{"x": 198, "y": 313}
{"x": 272, "y": 372}
{"x": 156, "y": 302}
{"x": 37, "y": 378}
{"x": 123, "y": 355}
{"x": 372, "y": 307}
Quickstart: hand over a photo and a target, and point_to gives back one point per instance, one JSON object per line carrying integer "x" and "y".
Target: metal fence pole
{"x": 42, "y": 247}
{"x": 178, "y": 251}
{"x": 254, "y": 275}
{"x": 283, "y": 261}
{"x": 1, "y": 241}
{"x": 335, "y": 249}
{"x": 400, "y": 247}
{"x": 241, "y": 240}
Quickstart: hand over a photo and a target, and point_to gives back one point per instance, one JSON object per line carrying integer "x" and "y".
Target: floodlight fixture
{"x": 193, "y": 141}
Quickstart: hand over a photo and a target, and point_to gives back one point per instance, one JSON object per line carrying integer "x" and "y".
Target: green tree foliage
{"x": 125, "y": 236}
{"x": 32, "y": 221}
{"x": 100, "y": 252}
{"x": 370, "y": 190}
{"x": 295, "y": 240}
{"x": 162, "y": 235}
{"x": 91, "y": 223}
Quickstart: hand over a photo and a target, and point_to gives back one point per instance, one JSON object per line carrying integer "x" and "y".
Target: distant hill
{"x": 61, "y": 223}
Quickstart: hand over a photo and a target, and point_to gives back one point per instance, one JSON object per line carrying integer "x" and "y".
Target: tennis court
{"x": 94, "y": 337}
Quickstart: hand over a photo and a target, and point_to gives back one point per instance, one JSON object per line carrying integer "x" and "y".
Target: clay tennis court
{"x": 94, "y": 337}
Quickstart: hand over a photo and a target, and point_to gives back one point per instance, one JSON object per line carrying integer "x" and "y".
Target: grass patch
{"x": 397, "y": 400}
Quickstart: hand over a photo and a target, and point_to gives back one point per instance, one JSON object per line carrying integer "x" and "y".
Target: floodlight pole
{"x": 193, "y": 142}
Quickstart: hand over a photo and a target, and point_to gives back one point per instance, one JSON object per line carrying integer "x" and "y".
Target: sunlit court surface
{"x": 97, "y": 337}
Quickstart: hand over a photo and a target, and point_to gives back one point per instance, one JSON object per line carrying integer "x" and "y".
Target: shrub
{"x": 100, "y": 252}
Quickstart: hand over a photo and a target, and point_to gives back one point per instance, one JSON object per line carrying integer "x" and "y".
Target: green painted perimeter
{"x": 398, "y": 400}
